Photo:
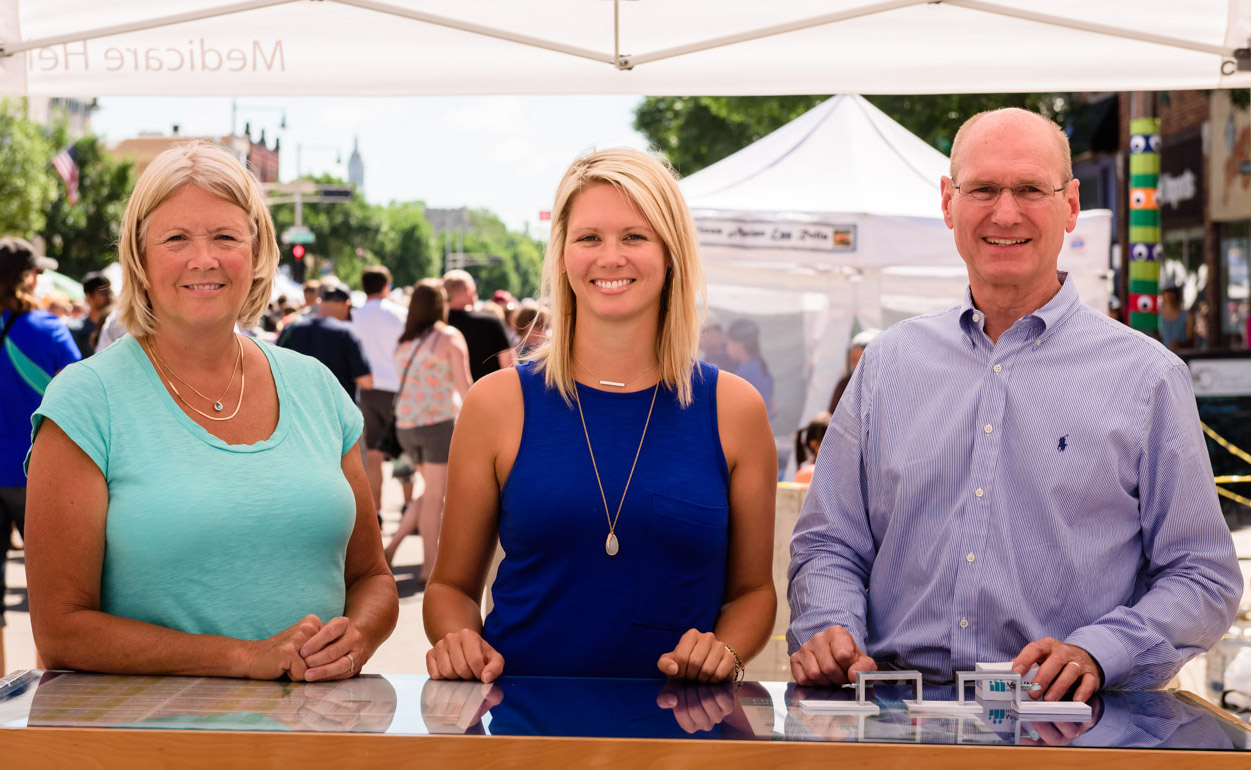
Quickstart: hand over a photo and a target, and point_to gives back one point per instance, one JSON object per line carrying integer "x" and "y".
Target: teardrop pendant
{"x": 610, "y": 545}
{"x": 217, "y": 406}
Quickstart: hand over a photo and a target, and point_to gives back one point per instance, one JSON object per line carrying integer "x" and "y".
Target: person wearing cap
{"x": 854, "y": 352}
{"x": 327, "y": 336}
{"x": 98, "y": 291}
{"x": 34, "y": 346}
{"x": 197, "y": 504}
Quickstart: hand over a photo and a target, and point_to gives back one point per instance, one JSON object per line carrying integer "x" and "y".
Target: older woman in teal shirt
{"x": 197, "y": 502}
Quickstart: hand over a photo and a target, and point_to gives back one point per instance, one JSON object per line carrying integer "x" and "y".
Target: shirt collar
{"x": 1045, "y": 318}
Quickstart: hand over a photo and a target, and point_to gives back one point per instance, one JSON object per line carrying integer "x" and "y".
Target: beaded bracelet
{"x": 739, "y": 668}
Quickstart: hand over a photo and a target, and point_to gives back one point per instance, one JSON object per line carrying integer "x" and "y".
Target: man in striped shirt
{"x": 1017, "y": 478}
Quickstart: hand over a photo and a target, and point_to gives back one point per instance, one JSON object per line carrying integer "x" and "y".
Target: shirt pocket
{"x": 681, "y": 583}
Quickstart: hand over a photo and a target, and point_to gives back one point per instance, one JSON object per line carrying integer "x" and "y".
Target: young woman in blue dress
{"x": 630, "y": 485}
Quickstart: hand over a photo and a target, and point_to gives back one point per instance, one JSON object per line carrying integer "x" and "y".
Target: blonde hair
{"x": 212, "y": 169}
{"x": 1062, "y": 139}
{"x": 653, "y": 187}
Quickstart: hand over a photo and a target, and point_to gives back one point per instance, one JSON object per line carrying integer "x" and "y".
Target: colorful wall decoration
{"x": 1144, "y": 224}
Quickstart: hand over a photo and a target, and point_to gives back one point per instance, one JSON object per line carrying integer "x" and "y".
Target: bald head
{"x": 987, "y": 126}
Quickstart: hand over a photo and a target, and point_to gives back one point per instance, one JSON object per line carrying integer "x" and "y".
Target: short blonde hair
{"x": 652, "y": 185}
{"x": 213, "y": 169}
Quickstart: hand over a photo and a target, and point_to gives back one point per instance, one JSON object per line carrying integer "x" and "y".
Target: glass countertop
{"x": 606, "y": 708}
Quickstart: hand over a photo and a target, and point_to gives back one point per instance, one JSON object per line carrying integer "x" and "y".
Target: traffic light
{"x": 298, "y": 267}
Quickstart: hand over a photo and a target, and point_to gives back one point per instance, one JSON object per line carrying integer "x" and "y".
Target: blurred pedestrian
{"x": 34, "y": 346}
{"x": 489, "y": 348}
{"x": 433, "y": 363}
{"x": 854, "y": 352}
{"x": 98, "y": 293}
{"x": 327, "y": 336}
{"x": 378, "y": 323}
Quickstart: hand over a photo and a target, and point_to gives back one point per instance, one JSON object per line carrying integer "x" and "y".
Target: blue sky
{"x": 503, "y": 153}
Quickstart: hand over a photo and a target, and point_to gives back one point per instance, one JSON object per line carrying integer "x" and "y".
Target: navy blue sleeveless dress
{"x": 563, "y": 606}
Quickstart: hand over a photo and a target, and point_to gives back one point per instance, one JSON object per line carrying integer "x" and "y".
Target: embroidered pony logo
{"x": 1063, "y": 445}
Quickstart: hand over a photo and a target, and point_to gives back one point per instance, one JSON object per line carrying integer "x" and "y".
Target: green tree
{"x": 83, "y": 237}
{"x": 27, "y": 182}
{"x": 696, "y": 131}
{"x": 405, "y": 243}
{"x": 345, "y": 232}
{"x": 507, "y": 260}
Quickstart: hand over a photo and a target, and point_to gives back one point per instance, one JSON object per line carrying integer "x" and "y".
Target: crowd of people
{"x": 970, "y": 476}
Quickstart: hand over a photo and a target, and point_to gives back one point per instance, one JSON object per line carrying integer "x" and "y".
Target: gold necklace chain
{"x": 216, "y": 402}
{"x": 612, "y": 382}
{"x": 611, "y": 545}
{"x": 163, "y": 370}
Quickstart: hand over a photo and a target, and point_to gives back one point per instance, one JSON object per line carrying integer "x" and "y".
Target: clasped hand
{"x": 311, "y": 651}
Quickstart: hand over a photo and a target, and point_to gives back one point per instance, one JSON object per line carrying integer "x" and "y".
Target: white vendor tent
{"x": 655, "y": 47}
{"x": 832, "y": 224}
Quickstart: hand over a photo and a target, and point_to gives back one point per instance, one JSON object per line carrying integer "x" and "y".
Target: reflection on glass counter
{"x": 609, "y": 708}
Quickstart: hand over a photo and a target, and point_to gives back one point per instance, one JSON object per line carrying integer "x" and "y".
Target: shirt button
{"x": 964, "y": 622}
{"x": 976, "y": 318}
{"x": 979, "y": 492}
{"x": 1037, "y": 343}
{"x": 970, "y": 558}
{"x": 988, "y": 429}
{"x": 998, "y": 368}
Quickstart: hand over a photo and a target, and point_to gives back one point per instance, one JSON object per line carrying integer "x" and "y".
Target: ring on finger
{"x": 351, "y": 663}
{"x": 1074, "y": 663}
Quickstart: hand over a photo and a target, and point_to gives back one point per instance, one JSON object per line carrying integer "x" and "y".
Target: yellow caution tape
{"x": 1241, "y": 454}
{"x": 1235, "y": 451}
{"x": 1237, "y": 498}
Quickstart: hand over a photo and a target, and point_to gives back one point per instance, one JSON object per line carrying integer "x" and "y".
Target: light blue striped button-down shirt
{"x": 972, "y": 497}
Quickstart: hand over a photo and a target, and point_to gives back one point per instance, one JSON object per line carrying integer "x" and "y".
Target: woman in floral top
{"x": 434, "y": 368}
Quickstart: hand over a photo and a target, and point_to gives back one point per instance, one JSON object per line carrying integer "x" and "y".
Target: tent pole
{"x": 794, "y": 26}
{"x": 138, "y": 26}
{"x": 477, "y": 29}
{"x": 1090, "y": 26}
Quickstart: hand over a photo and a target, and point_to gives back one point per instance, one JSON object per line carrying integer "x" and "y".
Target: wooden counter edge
{"x": 137, "y": 749}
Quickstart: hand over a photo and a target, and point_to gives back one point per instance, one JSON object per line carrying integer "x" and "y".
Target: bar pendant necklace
{"x": 611, "y": 544}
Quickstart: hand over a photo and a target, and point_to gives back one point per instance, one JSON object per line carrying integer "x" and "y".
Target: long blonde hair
{"x": 213, "y": 169}
{"x": 651, "y": 184}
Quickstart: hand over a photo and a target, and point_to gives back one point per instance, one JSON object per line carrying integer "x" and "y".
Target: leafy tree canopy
{"x": 697, "y": 131}
{"x": 27, "y": 182}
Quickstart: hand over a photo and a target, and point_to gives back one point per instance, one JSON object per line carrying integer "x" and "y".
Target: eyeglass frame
{"x": 1013, "y": 187}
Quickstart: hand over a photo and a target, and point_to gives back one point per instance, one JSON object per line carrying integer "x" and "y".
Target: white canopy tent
{"x": 832, "y": 224}
{"x": 655, "y": 47}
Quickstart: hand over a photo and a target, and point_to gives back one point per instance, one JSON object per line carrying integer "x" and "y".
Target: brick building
{"x": 1204, "y": 196}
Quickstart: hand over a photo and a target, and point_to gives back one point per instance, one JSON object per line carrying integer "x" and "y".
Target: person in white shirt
{"x": 379, "y": 324}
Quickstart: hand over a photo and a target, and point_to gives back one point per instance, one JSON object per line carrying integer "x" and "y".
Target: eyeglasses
{"x": 1026, "y": 193}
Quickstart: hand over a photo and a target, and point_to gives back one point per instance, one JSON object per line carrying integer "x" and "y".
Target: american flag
{"x": 66, "y": 165}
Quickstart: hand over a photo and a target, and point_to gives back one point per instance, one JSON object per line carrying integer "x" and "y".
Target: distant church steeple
{"x": 356, "y": 167}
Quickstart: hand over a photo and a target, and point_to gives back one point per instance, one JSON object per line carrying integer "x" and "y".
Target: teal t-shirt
{"x": 202, "y": 536}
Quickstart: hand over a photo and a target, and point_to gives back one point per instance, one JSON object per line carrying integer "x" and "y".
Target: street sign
{"x": 297, "y": 235}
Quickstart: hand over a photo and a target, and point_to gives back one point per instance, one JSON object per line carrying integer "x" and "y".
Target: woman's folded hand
{"x": 279, "y": 655}
{"x": 699, "y": 657}
{"x": 464, "y": 654}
